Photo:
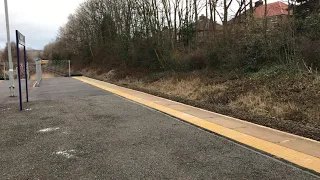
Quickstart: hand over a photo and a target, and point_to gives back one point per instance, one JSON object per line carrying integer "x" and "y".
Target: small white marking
{"x": 28, "y": 109}
{"x": 285, "y": 141}
{"x": 49, "y": 130}
{"x": 67, "y": 153}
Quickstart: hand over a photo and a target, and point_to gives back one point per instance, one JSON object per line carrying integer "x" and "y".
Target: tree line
{"x": 174, "y": 35}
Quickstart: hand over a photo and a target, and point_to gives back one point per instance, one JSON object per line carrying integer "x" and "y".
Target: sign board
{"x": 21, "y": 39}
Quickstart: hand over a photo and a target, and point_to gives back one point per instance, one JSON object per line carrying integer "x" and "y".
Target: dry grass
{"x": 261, "y": 103}
{"x": 316, "y": 81}
{"x": 133, "y": 81}
{"x": 255, "y": 103}
{"x": 180, "y": 88}
{"x": 190, "y": 88}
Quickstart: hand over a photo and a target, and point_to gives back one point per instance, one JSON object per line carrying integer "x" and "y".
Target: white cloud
{"x": 38, "y": 20}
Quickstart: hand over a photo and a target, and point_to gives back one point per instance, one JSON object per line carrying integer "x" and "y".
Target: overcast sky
{"x": 38, "y": 20}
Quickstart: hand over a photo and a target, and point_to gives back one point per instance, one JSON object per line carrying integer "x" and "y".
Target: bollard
{"x": 38, "y": 72}
{"x": 69, "y": 68}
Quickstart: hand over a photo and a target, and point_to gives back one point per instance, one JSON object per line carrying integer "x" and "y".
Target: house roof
{"x": 273, "y": 9}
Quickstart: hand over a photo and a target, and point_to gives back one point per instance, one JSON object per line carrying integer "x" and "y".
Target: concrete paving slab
{"x": 286, "y": 140}
{"x": 164, "y": 102}
{"x": 199, "y": 113}
{"x": 179, "y": 107}
{"x": 303, "y": 146}
{"x": 264, "y": 133}
{"x": 226, "y": 122}
{"x": 145, "y": 96}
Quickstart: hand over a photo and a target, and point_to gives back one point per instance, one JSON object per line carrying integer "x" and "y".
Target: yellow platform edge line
{"x": 298, "y": 158}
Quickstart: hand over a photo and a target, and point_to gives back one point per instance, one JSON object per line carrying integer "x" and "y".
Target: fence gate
{"x": 56, "y": 68}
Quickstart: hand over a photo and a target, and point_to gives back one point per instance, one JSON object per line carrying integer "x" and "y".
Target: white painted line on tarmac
{"x": 67, "y": 153}
{"x": 285, "y": 141}
{"x": 34, "y": 84}
{"x": 48, "y": 130}
{"x": 7, "y": 109}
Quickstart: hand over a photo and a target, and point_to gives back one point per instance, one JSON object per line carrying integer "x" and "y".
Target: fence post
{"x": 38, "y": 72}
{"x": 69, "y": 68}
{"x": 4, "y": 71}
{"x": 28, "y": 73}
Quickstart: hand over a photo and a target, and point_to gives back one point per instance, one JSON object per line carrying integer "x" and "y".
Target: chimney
{"x": 258, "y": 3}
{"x": 202, "y": 18}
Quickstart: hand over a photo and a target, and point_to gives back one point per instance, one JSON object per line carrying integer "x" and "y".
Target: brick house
{"x": 273, "y": 9}
{"x": 277, "y": 13}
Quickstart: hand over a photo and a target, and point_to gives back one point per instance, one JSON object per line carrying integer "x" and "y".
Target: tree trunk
{"x": 265, "y": 19}
{"x": 196, "y": 17}
{"x": 225, "y": 18}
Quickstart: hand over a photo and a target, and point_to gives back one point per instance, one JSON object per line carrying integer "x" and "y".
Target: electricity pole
{"x": 11, "y": 78}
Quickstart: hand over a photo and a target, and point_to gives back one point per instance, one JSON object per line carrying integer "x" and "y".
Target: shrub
{"x": 196, "y": 60}
{"x": 310, "y": 52}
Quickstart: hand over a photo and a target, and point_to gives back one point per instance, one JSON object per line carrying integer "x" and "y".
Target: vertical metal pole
{"x": 69, "y": 68}
{"x": 28, "y": 71}
{"x": 41, "y": 71}
{"x": 18, "y": 60}
{"x": 11, "y": 77}
{"x": 38, "y": 72}
{"x": 4, "y": 71}
{"x": 25, "y": 72}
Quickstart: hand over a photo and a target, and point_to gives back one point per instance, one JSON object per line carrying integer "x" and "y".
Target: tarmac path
{"x": 72, "y": 130}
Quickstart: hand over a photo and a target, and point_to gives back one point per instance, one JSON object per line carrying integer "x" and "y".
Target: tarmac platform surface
{"x": 72, "y": 130}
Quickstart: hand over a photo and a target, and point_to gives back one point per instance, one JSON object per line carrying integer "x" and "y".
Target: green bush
{"x": 214, "y": 60}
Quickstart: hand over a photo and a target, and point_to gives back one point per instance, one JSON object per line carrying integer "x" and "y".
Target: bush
{"x": 214, "y": 60}
{"x": 145, "y": 55}
{"x": 181, "y": 60}
{"x": 310, "y": 52}
{"x": 197, "y": 60}
{"x": 253, "y": 52}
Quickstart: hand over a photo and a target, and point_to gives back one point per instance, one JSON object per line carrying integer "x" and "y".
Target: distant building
{"x": 273, "y": 9}
{"x": 277, "y": 13}
{"x": 206, "y": 28}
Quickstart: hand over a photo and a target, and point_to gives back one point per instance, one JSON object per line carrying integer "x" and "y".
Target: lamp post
{"x": 11, "y": 78}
